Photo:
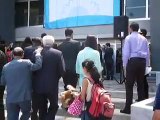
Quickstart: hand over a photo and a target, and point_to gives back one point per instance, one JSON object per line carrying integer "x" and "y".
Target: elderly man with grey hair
{"x": 45, "y": 81}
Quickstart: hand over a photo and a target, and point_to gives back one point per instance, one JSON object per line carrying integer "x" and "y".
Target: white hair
{"x": 48, "y": 40}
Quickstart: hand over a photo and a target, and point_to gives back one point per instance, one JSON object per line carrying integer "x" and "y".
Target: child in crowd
{"x": 92, "y": 76}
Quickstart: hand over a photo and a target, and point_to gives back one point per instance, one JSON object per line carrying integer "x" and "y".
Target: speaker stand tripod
{"x": 122, "y": 76}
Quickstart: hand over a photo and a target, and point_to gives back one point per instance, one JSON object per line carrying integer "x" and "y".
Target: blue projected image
{"x": 74, "y": 13}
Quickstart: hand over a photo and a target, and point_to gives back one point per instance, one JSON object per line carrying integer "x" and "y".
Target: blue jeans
{"x": 85, "y": 116}
{"x": 13, "y": 110}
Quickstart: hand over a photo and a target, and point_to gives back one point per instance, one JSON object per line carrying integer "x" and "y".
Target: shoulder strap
{"x": 91, "y": 80}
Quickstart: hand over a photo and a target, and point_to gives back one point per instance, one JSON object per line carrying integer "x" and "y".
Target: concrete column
{"x": 155, "y": 34}
{"x": 7, "y": 13}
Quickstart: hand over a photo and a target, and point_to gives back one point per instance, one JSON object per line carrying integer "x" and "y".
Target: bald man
{"x": 16, "y": 76}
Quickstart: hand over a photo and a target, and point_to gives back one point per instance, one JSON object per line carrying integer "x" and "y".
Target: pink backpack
{"x": 76, "y": 107}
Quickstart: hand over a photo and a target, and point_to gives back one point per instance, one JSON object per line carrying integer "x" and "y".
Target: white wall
{"x": 103, "y": 31}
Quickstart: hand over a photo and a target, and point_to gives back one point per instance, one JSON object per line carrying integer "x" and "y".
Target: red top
{"x": 9, "y": 55}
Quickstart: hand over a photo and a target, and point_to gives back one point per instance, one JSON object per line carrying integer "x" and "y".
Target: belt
{"x": 137, "y": 58}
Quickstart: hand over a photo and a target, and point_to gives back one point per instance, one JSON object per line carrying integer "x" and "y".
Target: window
{"x": 29, "y": 13}
{"x": 149, "y": 6}
{"x": 21, "y": 14}
{"x": 136, "y": 8}
{"x": 134, "y": 3}
{"x": 36, "y": 13}
{"x": 136, "y": 12}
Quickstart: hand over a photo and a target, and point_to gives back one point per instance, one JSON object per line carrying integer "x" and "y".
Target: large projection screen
{"x": 75, "y": 13}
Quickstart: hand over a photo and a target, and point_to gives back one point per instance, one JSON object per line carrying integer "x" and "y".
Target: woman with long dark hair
{"x": 89, "y": 52}
{"x": 92, "y": 77}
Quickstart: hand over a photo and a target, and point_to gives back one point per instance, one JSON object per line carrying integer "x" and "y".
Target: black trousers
{"x": 146, "y": 87}
{"x": 36, "y": 105}
{"x": 70, "y": 78}
{"x": 35, "y": 110}
{"x": 2, "y": 117}
{"x": 40, "y": 103}
{"x": 134, "y": 72}
{"x": 110, "y": 71}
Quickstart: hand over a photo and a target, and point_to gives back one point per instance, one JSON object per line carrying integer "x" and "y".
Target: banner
{"x": 75, "y": 13}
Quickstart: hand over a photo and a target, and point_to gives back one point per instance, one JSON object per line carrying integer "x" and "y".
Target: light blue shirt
{"x": 135, "y": 45}
{"x": 16, "y": 76}
{"x": 87, "y": 53}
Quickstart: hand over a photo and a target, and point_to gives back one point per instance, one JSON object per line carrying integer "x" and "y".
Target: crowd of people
{"x": 31, "y": 72}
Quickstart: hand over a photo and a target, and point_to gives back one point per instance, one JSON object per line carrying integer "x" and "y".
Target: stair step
{"x": 122, "y": 94}
{"x": 120, "y": 116}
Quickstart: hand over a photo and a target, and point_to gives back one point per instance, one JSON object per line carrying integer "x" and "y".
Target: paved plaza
{"x": 118, "y": 97}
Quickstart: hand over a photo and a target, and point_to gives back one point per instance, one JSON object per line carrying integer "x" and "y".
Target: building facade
{"x": 29, "y": 20}
{"x": 22, "y": 18}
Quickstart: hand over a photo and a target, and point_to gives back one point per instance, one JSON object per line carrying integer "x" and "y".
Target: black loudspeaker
{"x": 120, "y": 26}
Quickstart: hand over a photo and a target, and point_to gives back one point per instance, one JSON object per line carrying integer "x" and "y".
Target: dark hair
{"x": 91, "y": 42}
{"x": 18, "y": 51}
{"x": 9, "y": 47}
{"x": 43, "y": 34}
{"x": 134, "y": 26}
{"x": 37, "y": 41}
{"x": 98, "y": 46}
{"x": 143, "y": 32}
{"x": 27, "y": 42}
{"x": 108, "y": 44}
{"x": 68, "y": 32}
{"x": 55, "y": 46}
{"x": 91, "y": 68}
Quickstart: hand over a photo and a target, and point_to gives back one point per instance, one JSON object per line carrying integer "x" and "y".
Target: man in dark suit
{"x": 28, "y": 51}
{"x": 146, "y": 87}
{"x": 29, "y": 54}
{"x": 108, "y": 57}
{"x": 70, "y": 49}
{"x": 45, "y": 81}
